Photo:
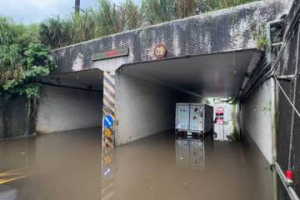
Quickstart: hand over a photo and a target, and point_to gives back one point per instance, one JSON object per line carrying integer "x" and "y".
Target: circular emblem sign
{"x": 160, "y": 51}
{"x": 108, "y": 121}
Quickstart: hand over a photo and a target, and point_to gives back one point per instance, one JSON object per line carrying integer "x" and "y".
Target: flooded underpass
{"x": 131, "y": 82}
{"x": 68, "y": 165}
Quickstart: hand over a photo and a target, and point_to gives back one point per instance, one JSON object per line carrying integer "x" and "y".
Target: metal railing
{"x": 290, "y": 190}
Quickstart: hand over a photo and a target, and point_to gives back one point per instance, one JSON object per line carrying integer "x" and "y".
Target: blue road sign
{"x": 108, "y": 121}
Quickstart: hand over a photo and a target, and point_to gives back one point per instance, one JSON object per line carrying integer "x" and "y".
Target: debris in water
{"x": 186, "y": 185}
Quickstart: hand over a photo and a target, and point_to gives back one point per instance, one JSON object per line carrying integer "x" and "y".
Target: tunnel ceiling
{"x": 92, "y": 78}
{"x": 211, "y": 75}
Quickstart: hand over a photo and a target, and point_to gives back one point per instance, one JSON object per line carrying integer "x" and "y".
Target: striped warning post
{"x": 107, "y": 181}
{"x": 107, "y": 192}
{"x": 109, "y": 95}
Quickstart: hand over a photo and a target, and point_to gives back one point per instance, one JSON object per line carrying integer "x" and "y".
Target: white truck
{"x": 194, "y": 119}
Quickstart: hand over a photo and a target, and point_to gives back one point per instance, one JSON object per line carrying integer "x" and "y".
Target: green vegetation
{"x": 267, "y": 107}
{"x": 109, "y": 18}
{"x": 206, "y": 101}
{"x": 235, "y": 135}
{"x": 233, "y": 100}
{"x": 258, "y": 32}
{"x": 22, "y": 59}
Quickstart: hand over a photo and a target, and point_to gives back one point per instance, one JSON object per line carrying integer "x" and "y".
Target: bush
{"x": 22, "y": 59}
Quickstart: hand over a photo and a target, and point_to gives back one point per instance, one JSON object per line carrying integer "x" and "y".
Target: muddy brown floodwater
{"x": 68, "y": 166}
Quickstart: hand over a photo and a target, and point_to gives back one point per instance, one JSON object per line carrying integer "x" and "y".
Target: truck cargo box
{"x": 194, "y": 118}
{"x": 182, "y": 116}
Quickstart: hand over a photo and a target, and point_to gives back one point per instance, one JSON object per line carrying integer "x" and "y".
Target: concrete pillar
{"x": 108, "y": 109}
{"x": 108, "y": 135}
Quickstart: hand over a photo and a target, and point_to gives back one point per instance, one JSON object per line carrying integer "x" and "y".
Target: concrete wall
{"x": 63, "y": 109}
{"x": 17, "y": 116}
{"x": 218, "y": 31}
{"x": 258, "y": 118}
{"x": 144, "y": 108}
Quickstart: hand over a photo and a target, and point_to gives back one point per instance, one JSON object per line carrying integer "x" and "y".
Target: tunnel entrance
{"x": 148, "y": 92}
{"x": 71, "y": 101}
{"x": 146, "y": 97}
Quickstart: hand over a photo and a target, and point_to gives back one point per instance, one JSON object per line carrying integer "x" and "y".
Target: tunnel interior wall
{"x": 257, "y": 118}
{"x": 144, "y": 108}
{"x": 63, "y": 109}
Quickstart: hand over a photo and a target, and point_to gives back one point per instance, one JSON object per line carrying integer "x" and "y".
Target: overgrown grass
{"x": 108, "y": 18}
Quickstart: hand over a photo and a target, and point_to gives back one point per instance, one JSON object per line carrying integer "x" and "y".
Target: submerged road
{"x": 67, "y": 165}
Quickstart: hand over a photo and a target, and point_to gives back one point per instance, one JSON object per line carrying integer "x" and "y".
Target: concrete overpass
{"x": 209, "y": 55}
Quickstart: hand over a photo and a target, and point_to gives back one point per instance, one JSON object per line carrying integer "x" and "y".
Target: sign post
{"x": 108, "y": 121}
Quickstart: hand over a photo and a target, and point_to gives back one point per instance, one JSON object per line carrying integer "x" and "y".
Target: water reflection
{"x": 107, "y": 181}
{"x": 190, "y": 153}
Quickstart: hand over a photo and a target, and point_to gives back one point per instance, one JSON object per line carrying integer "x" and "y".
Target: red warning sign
{"x": 220, "y": 115}
{"x": 220, "y": 120}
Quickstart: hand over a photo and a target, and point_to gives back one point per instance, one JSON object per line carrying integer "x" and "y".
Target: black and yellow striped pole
{"x": 107, "y": 180}
{"x": 107, "y": 184}
{"x": 109, "y": 109}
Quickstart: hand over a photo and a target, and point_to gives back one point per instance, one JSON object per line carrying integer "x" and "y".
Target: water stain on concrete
{"x": 68, "y": 165}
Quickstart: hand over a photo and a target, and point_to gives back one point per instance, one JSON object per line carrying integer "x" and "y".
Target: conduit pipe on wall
{"x": 290, "y": 190}
{"x": 286, "y": 37}
{"x": 258, "y": 81}
{"x": 267, "y": 61}
{"x": 269, "y": 38}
